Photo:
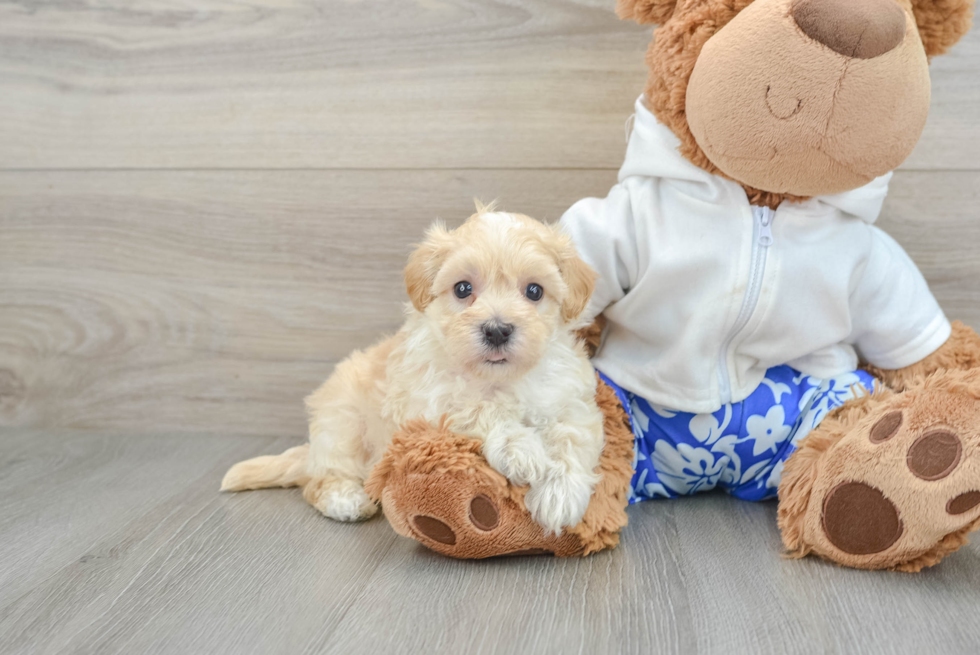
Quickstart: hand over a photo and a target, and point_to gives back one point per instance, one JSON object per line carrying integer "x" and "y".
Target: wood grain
{"x": 128, "y": 547}
{"x": 171, "y": 567}
{"x": 194, "y": 301}
{"x": 353, "y": 84}
{"x": 215, "y": 301}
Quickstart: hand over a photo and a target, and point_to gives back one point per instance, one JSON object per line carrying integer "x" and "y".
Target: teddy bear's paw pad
{"x": 483, "y": 513}
{"x": 886, "y": 427}
{"x": 435, "y": 529}
{"x": 480, "y": 525}
{"x": 963, "y": 503}
{"x": 934, "y": 455}
{"x": 858, "y": 519}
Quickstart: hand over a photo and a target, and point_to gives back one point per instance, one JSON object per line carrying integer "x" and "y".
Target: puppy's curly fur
{"x": 481, "y": 349}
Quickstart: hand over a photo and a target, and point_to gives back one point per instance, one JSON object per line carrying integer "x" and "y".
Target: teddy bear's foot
{"x": 436, "y": 487}
{"x": 890, "y": 482}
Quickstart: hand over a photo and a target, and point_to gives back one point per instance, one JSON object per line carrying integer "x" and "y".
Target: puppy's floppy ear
{"x": 941, "y": 23}
{"x": 578, "y": 276}
{"x": 646, "y": 11}
{"x": 424, "y": 263}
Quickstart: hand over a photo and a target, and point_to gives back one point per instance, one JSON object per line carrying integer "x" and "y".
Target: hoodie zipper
{"x": 761, "y": 241}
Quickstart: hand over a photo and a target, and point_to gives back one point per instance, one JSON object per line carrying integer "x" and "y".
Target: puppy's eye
{"x": 534, "y": 292}
{"x": 463, "y": 289}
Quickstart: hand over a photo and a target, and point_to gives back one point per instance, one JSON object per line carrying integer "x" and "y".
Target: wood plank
{"x": 140, "y": 553}
{"x": 214, "y": 302}
{"x": 811, "y": 606}
{"x": 952, "y": 133}
{"x": 154, "y": 559}
{"x": 58, "y": 490}
{"x": 298, "y": 84}
{"x": 692, "y": 575}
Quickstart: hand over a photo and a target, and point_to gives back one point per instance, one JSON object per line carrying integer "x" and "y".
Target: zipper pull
{"x": 765, "y": 225}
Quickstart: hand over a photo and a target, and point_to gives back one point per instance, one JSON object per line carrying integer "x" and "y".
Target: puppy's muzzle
{"x": 496, "y": 334}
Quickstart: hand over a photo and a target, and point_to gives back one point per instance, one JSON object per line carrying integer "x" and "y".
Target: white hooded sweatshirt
{"x": 705, "y": 292}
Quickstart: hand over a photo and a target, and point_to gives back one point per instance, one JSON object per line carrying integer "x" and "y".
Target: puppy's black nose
{"x": 497, "y": 334}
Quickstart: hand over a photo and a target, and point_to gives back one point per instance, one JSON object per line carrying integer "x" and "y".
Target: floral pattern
{"x": 740, "y": 448}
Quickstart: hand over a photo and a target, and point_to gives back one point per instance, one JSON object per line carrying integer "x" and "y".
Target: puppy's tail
{"x": 286, "y": 470}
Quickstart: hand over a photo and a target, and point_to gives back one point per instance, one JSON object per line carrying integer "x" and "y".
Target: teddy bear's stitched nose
{"x": 862, "y": 29}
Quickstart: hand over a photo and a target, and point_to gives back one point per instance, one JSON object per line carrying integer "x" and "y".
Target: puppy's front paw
{"x": 560, "y": 501}
{"x": 341, "y": 500}
{"x": 520, "y": 461}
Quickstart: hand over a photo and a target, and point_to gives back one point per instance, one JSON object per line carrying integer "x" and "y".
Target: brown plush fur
{"x": 591, "y": 336}
{"x": 430, "y": 471}
{"x": 646, "y": 11}
{"x": 606, "y": 514}
{"x": 949, "y": 544}
{"x": 942, "y": 23}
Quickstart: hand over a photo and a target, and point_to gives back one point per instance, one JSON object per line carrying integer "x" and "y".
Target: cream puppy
{"x": 489, "y": 343}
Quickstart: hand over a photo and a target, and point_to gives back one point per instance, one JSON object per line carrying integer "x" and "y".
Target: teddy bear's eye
{"x": 463, "y": 289}
{"x": 534, "y": 292}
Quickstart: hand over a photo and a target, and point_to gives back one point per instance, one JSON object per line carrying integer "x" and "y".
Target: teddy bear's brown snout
{"x": 862, "y": 29}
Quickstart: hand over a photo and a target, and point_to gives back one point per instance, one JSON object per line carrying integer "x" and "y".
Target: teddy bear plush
{"x": 754, "y": 332}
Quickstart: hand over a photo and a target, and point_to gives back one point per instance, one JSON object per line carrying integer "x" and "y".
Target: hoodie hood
{"x": 653, "y": 151}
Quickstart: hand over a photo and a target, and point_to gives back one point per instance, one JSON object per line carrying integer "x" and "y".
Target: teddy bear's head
{"x": 795, "y": 98}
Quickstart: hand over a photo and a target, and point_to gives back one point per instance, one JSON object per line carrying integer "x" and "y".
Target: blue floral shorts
{"x": 740, "y": 448}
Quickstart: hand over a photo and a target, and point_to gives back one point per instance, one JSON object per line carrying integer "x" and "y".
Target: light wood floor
{"x": 205, "y": 205}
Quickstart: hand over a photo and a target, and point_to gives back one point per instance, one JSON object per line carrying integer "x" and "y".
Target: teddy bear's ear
{"x": 942, "y": 22}
{"x": 646, "y": 11}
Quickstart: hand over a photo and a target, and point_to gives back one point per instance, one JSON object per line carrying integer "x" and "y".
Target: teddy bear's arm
{"x": 960, "y": 352}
